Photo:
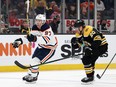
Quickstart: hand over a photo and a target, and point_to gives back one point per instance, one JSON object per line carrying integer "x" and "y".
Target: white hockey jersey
{"x": 45, "y": 37}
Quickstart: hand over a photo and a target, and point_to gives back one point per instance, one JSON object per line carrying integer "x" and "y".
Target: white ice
{"x": 70, "y": 78}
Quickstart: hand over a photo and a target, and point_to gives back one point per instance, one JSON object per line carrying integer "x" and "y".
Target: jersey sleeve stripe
{"x": 49, "y": 46}
{"x": 46, "y": 39}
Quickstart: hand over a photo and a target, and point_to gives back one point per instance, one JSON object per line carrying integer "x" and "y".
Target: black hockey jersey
{"x": 91, "y": 37}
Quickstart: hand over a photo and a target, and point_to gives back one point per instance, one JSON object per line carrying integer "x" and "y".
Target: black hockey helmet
{"x": 79, "y": 23}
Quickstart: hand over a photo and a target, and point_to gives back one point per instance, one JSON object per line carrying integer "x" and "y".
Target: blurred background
{"x": 61, "y": 15}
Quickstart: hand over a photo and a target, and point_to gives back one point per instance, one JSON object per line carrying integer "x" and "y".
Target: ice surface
{"x": 58, "y": 79}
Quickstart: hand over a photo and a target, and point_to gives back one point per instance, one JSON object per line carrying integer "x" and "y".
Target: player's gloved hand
{"x": 74, "y": 43}
{"x": 17, "y": 43}
{"x": 74, "y": 40}
{"x": 31, "y": 38}
{"x": 88, "y": 51}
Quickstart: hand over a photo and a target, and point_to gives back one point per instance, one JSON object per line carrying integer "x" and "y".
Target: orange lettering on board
{"x": 3, "y": 49}
{"x": 8, "y": 49}
{"x": 27, "y": 49}
{"x": 20, "y": 50}
{"x": 12, "y": 50}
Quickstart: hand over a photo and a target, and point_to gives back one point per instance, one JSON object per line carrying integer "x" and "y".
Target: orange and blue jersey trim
{"x": 49, "y": 46}
{"x": 48, "y": 56}
{"x": 47, "y": 39}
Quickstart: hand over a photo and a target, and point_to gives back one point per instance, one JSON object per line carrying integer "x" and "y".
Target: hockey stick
{"x": 27, "y": 16}
{"x": 26, "y": 67}
{"x": 99, "y": 76}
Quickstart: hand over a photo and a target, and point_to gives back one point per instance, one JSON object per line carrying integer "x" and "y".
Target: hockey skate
{"x": 87, "y": 80}
{"x": 30, "y": 78}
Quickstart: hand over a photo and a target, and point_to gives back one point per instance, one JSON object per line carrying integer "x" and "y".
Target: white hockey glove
{"x": 17, "y": 43}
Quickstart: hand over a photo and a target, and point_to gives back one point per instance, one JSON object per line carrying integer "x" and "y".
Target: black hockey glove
{"x": 87, "y": 50}
{"x": 17, "y": 43}
{"x": 74, "y": 42}
{"x": 31, "y": 38}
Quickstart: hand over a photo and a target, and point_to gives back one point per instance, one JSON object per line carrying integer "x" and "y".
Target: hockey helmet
{"x": 79, "y": 23}
{"x": 41, "y": 17}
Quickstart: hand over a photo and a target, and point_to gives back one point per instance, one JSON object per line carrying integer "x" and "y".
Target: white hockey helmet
{"x": 41, "y": 17}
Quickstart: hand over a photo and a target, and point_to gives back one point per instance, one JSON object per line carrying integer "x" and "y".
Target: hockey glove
{"x": 74, "y": 40}
{"x": 31, "y": 38}
{"x": 17, "y": 43}
{"x": 74, "y": 43}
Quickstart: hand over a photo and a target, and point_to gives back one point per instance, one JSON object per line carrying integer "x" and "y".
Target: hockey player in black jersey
{"x": 43, "y": 35}
{"x": 95, "y": 44}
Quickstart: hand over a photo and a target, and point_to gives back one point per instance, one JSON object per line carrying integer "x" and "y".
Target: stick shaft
{"x": 106, "y": 67}
{"x": 26, "y": 67}
{"x": 27, "y": 15}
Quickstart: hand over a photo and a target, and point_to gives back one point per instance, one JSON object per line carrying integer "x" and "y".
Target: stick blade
{"x": 20, "y": 65}
{"x": 98, "y": 76}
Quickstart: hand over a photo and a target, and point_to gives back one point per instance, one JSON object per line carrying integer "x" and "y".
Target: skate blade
{"x": 34, "y": 82}
{"x": 87, "y": 83}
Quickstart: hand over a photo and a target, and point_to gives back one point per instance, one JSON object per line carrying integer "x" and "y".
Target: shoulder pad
{"x": 87, "y": 30}
{"x": 35, "y": 27}
{"x": 45, "y": 27}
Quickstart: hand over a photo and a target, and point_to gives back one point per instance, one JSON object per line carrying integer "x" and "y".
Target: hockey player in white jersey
{"x": 42, "y": 34}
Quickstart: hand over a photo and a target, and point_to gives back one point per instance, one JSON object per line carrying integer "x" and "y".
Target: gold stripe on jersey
{"x": 103, "y": 41}
{"x": 98, "y": 37}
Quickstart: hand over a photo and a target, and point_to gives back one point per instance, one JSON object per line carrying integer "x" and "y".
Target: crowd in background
{"x": 52, "y": 9}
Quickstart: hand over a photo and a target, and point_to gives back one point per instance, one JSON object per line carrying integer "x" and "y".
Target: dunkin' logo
{"x": 8, "y": 50}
